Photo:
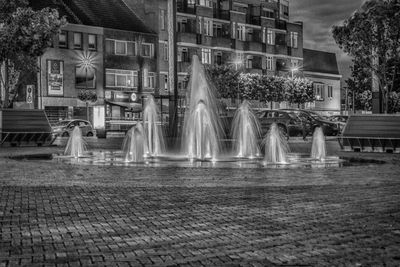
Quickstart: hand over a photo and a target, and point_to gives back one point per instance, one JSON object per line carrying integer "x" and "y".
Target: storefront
{"x": 123, "y": 110}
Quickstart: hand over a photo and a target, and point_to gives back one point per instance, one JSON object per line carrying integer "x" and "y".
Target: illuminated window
{"x": 77, "y": 40}
{"x": 206, "y": 56}
{"x": 121, "y": 78}
{"x": 294, "y": 39}
{"x": 147, "y": 50}
{"x": 85, "y": 77}
{"x": 92, "y": 42}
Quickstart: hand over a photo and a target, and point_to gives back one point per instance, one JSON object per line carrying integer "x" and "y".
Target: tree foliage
{"x": 252, "y": 86}
{"x": 24, "y": 35}
{"x": 87, "y": 95}
{"x": 372, "y": 37}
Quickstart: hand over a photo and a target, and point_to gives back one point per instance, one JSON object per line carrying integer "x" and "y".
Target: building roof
{"x": 112, "y": 14}
{"x": 320, "y": 61}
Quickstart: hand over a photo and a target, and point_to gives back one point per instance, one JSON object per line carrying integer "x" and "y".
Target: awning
{"x": 134, "y": 106}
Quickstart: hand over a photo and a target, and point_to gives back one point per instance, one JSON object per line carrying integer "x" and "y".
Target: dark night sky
{"x": 318, "y": 17}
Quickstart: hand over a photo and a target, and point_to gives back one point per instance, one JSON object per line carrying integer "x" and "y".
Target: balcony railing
{"x": 222, "y": 14}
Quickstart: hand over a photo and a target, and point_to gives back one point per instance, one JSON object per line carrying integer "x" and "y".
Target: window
{"x": 241, "y": 33}
{"x": 182, "y": 25}
{"x": 233, "y": 30}
{"x": 165, "y": 51}
{"x": 85, "y": 77}
{"x": 208, "y": 27}
{"x": 149, "y": 79}
{"x": 270, "y": 37}
{"x": 318, "y": 91}
{"x": 77, "y": 40}
{"x": 249, "y": 34}
{"x": 162, "y": 19}
{"x": 92, "y": 42}
{"x": 206, "y": 56}
{"x": 63, "y": 39}
{"x": 199, "y": 25}
{"x": 217, "y": 29}
{"x": 269, "y": 63}
{"x": 183, "y": 55}
{"x": 218, "y": 58}
{"x": 249, "y": 62}
{"x": 121, "y": 78}
{"x": 147, "y": 50}
{"x": 206, "y": 3}
{"x": 165, "y": 82}
{"x": 294, "y": 39}
{"x": 330, "y": 91}
{"x": 120, "y": 48}
{"x": 239, "y": 58}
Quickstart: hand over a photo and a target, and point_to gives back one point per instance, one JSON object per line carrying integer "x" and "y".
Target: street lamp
{"x": 86, "y": 64}
{"x": 292, "y": 70}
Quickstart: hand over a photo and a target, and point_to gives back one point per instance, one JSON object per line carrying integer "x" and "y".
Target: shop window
{"x": 85, "y": 77}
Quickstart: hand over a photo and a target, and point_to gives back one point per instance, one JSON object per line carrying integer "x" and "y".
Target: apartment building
{"x": 251, "y": 35}
{"x": 105, "y": 50}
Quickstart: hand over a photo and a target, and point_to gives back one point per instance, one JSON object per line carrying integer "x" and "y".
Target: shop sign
{"x": 133, "y": 97}
{"x": 55, "y": 77}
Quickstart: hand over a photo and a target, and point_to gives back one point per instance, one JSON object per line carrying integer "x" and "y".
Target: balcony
{"x": 222, "y": 14}
{"x": 183, "y": 7}
{"x": 186, "y": 37}
{"x": 221, "y": 42}
{"x": 280, "y": 24}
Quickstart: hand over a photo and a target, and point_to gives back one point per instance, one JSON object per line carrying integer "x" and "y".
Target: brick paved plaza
{"x": 69, "y": 215}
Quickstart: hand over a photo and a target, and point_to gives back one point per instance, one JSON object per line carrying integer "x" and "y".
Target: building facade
{"x": 100, "y": 67}
{"x": 251, "y": 35}
{"x": 322, "y": 68}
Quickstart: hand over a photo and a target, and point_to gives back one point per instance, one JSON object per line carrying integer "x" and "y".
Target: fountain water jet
{"x": 152, "y": 129}
{"x": 245, "y": 132}
{"x": 276, "y": 146}
{"x": 76, "y": 146}
{"x": 318, "y": 149}
{"x": 134, "y": 144}
{"x": 202, "y": 127}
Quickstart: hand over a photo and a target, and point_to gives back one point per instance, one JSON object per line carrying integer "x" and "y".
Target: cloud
{"x": 319, "y": 16}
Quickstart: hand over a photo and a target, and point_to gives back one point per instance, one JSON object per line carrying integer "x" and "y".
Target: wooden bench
{"x": 371, "y": 133}
{"x": 24, "y": 127}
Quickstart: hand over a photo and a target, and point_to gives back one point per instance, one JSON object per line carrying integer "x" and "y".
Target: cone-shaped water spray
{"x": 134, "y": 144}
{"x": 154, "y": 136}
{"x": 245, "y": 132}
{"x": 202, "y": 127}
{"x": 76, "y": 146}
{"x": 276, "y": 146}
{"x": 318, "y": 149}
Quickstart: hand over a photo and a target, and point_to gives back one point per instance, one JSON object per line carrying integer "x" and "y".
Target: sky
{"x": 318, "y": 17}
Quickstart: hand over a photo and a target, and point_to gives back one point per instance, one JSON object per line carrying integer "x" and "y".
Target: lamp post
{"x": 86, "y": 64}
{"x": 292, "y": 70}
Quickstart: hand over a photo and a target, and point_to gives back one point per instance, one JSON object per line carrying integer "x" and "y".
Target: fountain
{"x": 76, "y": 146}
{"x": 152, "y": 129}
{"x": 276, "y": 146}
{"x": 202, "y": 137}
{"x": 202, "y": 127}
{"x": 134, "y": 145}
{"x": 318, "y": 149}
{"x": 245, "y": 132}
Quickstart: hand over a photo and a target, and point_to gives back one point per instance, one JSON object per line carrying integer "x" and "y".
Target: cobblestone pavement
{"x": 71, "y": 215}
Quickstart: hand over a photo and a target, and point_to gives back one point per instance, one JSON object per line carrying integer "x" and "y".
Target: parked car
{"x": 65, "y": 127}
{"x": 289, "y": 123}
{"x": 316, "y": 120}
{"x": 340, "y": 120}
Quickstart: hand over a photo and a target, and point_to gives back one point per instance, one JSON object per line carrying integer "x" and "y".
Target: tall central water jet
{"x": 152, "y": 129}
{"x": 202, "y": 127}
{"x": 318, "y": 149}
{"x": 276, "y": 146}
{"x": 245, "y": 132}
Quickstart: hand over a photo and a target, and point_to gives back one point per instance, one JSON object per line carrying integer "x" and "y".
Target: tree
{"x": 225, "y": 79}
{"x": 372, "y": 37}
{"x": 24, "y": 36}
{"x": 298, "y": 91}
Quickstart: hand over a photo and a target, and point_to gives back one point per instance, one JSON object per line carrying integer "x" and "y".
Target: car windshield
{"x": 315, "y": 116}
{"x": 62, "y": 123}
